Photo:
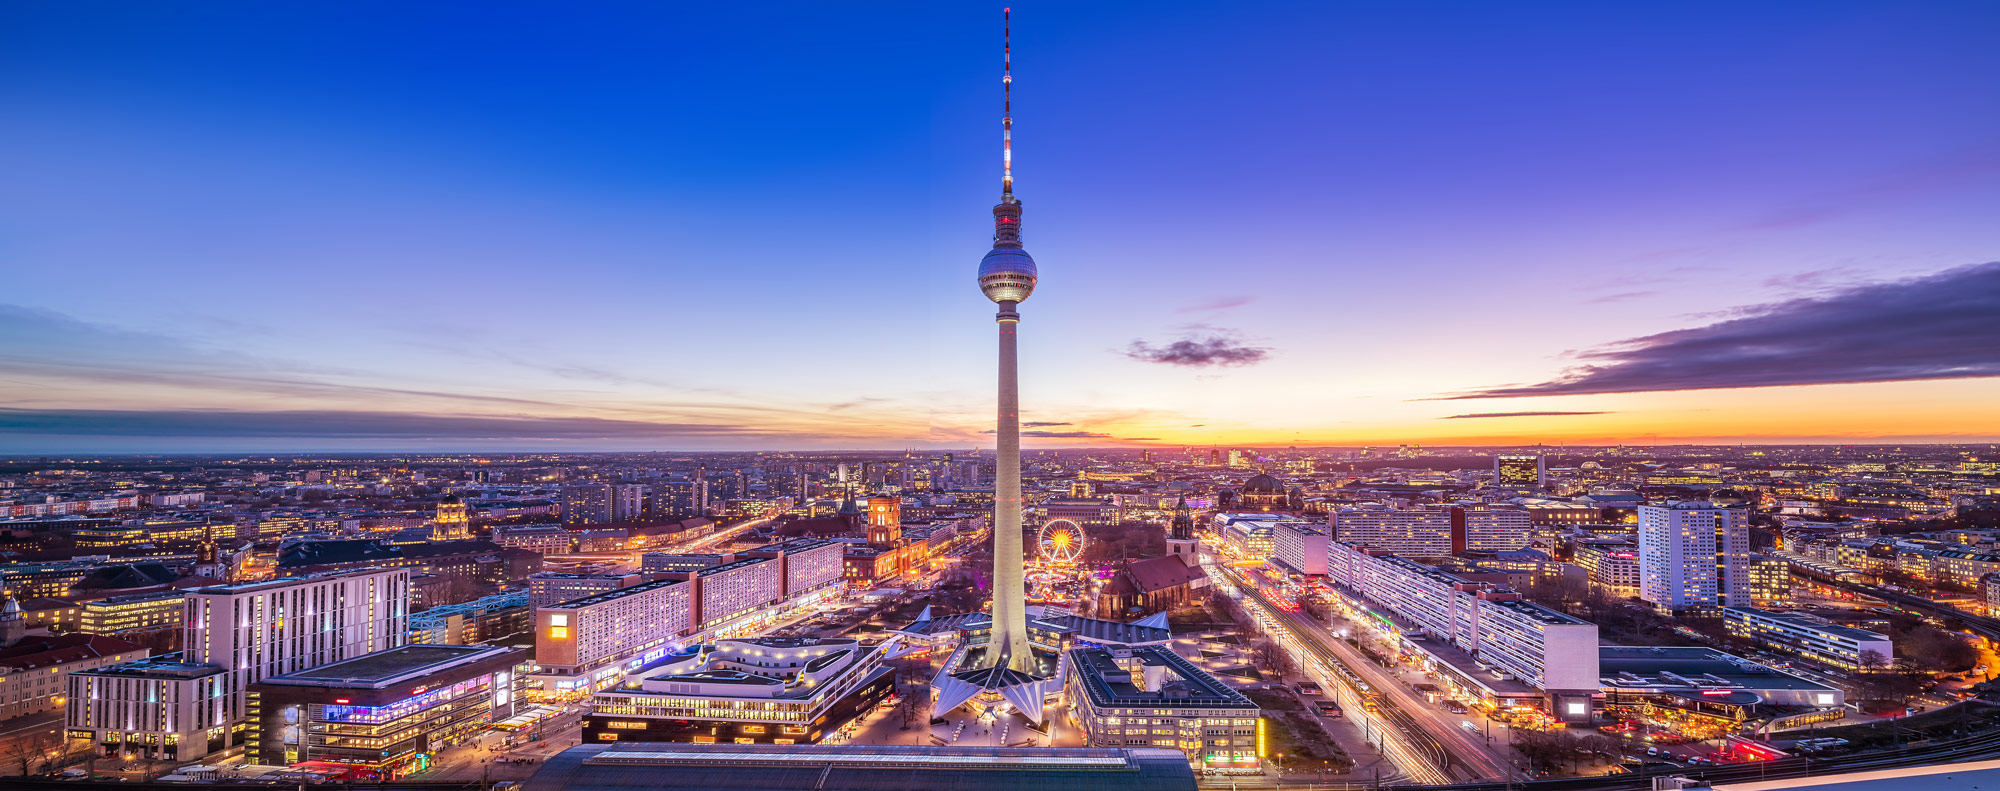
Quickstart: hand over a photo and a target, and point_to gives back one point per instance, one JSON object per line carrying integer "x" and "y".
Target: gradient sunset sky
{"x": 529, "y": 226}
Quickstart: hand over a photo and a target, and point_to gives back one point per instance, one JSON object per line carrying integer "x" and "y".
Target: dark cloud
{"x": 336, "y": 424}
{"x": 1199, "y": 352}
{"x": 1942, "y": 326}
{"x": 1044, "y": 423}
{"x": 1517, "y": 414}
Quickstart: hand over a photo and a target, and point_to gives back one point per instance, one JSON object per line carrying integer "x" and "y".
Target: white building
{"x": 1403, "y": 531}
{"x": 1809, "y": 637}
{"x": 1301, "y": 547}
{"x": 158, "y": 709}
{"x": 1539, "y": 647}
{"x": 260, "y": 629}
{"x": 1694, "y": 556}
{"x": 549, "y": 588}
{"x": 1492, "y": 529}
{"x": 808, "y": 564}
{"x": 539, "y": 539}
{"x": 735, "y": 589}
{"x": 587, "y": 644}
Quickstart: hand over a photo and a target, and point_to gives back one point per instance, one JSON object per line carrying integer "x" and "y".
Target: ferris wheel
{"x": 1062, "y": 541}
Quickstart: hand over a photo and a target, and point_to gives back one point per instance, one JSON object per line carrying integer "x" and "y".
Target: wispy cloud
{"x": 1213, "y": 350}
{"x": 317, "y": 424}
{"x": 1619, "y": 297}
{"x": 1516, "y": 414}
{"x": 1941, "y": 326}
{"x": 1219, "y": 303}
{"x": 1044, "y": 423}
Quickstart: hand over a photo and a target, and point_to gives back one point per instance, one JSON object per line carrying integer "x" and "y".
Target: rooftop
{"x": 383, "y": 668}
{"x": 1110, "y": 685}
{"x": 591, "y": 601}
{"x": 861, "y": 768}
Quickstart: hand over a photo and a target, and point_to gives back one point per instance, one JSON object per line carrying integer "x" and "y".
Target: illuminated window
{"x": 558, "y": 633}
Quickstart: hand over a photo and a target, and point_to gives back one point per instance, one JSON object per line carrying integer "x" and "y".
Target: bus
{"x": 1328, "y": 708}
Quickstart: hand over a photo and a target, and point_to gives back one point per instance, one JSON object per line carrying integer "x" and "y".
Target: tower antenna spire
{"x": 1007, "y": 115}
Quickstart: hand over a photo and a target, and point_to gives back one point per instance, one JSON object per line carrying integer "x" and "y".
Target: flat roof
{"x": 1809, "y": 622}
{"x": 1094, "y": 664}
{"x": 390, "y": 666}
{"x": 821, "y": 767}
{"x": 589, "y": 601}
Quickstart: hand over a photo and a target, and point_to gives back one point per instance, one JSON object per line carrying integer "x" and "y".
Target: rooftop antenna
{"x": 1007, "y": 117}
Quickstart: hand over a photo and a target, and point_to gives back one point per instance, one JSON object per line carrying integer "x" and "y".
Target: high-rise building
{"x": 1694, "y": 556}
{"x": 586, "y": 504}
{"x": 256, "y": 630}
{"x": 1518, "y": 471}
{"x": 680, "y": 499}
{"x": 628, "y": 502}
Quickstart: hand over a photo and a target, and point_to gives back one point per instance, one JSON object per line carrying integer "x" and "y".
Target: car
{"x": 1467, "y": 724}
{"x": 1652, "y": 751}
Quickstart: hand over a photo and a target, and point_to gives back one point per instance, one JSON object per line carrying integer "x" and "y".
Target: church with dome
{"x": 1263, "y": 493}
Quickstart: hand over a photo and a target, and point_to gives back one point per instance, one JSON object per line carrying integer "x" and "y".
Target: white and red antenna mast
{"x": 1007, "y": 118}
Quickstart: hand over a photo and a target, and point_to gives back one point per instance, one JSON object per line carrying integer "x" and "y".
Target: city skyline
{"x": 293, "y": 229}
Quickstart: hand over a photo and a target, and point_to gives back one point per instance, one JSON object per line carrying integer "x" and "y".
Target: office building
{"x": 257, "y": 630}
{"x": 1812, "y": 638}
{"x": 1518, "y": 471}
{"x": 134, "y": 613}
{"x": 1148, "y": 696}
{"x": 586, "y": 504}
{"x": 383, "y": 715}
{"x": 1694, "y": 557}
{"x": 763, "y": 690}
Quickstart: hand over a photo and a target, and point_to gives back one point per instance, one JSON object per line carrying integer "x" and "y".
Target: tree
{"x": 1872, "y": 661}
{"x": 1273, "y": 658}
{"x": 25, "y": 753}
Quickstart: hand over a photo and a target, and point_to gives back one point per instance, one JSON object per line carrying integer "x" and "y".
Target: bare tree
{"x": 1872, "y": 661}
{"x": 26, "y": 752}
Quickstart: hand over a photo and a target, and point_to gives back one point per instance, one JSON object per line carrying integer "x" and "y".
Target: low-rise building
{"x": 1811, "y": 638}
{"x": 157, "y": 709}
{"x": 1148, "y": 696}
{"x": 138, "y": 612}
{"x": 34, "y": 672}
{"x": 753, "y": 691}
{"x": 381, "y": 716}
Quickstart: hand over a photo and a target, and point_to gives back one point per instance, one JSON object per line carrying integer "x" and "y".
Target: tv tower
{"x": 1007, "y": 276}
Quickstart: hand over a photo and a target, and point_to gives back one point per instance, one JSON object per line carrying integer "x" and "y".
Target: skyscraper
{"x": 1694, "y": 556}
{"x": 1523, "y": 471}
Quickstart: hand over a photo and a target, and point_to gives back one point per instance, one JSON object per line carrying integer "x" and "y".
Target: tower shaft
{"x": 1010, "y": 619}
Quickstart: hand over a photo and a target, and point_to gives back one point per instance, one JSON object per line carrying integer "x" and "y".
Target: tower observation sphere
{"x": 1007, "y": 274}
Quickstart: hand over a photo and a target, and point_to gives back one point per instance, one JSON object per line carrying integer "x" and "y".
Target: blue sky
{"x": 537, "y": 226}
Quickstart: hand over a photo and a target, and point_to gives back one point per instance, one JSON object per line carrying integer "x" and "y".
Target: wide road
{"x": 1420, "y": 759}
{"x": 1466, "y": 753}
